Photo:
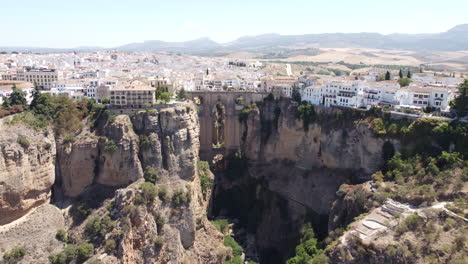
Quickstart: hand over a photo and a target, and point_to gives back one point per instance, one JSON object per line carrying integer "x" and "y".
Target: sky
{"x": 110, "y": 23}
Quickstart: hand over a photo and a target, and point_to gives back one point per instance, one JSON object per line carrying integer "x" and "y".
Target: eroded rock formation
{"x": 27, "y": 169}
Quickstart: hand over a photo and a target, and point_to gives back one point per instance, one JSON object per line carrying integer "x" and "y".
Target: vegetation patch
{"x": 206, "y": 182}
{"x": 110, "y": 146}
{"x": 151, "y": 175}
{"x": 14, "y": 256}
{"x": 306, "y": 113}
{"x": 307, "y": 250}
{"x": 23, "y": 141}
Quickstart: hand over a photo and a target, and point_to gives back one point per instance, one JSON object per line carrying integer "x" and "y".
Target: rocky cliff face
{"x": 114, "y": 154}
{"x": 27, "y": 169}
{"x": 301, "y": 169}
{"x": 336, "y": 140}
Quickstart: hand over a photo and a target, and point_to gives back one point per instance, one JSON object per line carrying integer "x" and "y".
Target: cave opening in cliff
{"x": 219, "y": 117}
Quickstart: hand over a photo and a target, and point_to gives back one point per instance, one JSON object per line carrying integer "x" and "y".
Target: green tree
{"x": 296, "y": 95}
{"x": 165, "y": 97}
{"x": 41, "y": 104}
{"x": 461, "y": 101}
{"x": 85, "y": 251}
{"x": 181, "y": 95}
{"x": 404, "y": 82}
{"x": 409, "y": 75}
{"x": 400, "y": 74}
{"x": 35, "y": 95}
{"x": 18, "y": 97}
{"x": 307, "y": 249}
{"x": 149, "y": 192}
{"x": 387, "y": 76}
{"x": 306, "y": 112}
{"x": 67, "y": 118}
{"x": 6, "y": 103}
{"x": 105, "y": 101}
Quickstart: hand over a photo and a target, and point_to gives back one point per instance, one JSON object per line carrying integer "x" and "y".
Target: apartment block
{"x": 40, "y": 76}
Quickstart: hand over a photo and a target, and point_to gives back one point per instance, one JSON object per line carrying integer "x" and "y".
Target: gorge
{"x": 275, "y": 171}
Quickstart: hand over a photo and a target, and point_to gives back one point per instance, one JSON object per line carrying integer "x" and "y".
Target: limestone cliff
{"x": 296, "y": 171}
{"x": 27, "y": 169}
{"x": 105, "y": 163}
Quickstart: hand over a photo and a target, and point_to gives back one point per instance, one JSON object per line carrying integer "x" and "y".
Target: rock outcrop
{"x": 27, "y": 169}
{"x": 117, "y": 154}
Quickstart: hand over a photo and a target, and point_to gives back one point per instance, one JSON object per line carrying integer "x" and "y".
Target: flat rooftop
{"x": 8, "y": 85}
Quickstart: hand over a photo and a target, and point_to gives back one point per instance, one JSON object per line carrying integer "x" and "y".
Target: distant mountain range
{"x": 454, "y": 39}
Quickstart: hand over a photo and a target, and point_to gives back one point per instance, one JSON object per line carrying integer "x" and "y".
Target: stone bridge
{"x": 232, "y": 127}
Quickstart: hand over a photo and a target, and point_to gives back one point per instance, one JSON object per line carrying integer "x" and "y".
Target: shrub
{"x": 68, "y": 139}
{"x": 413, "y": 221}
{"x": 109, "y": 245}
{"x": 404, "y": 82}
{"x": 14, "y": 255}
{"x": 85, "y": 251}
{"x": 206, "y": 182}
{"x": 145, "y": 142}
{"x": 162, "y": 194}
{"x": 320, "y": 259}
{"x": 62, "y": 235}
{"x": 109, "y": 117}
{"x": 449, "y": 223}
{"x": 222, "y": 225}
{"x": 160, "y": 221}
{"x": 158, "y": 242}
{"x": 460, "y": 242}
{"x": 58, "y": 259}
{"x": 47, "y": 146}
{"x": 84, "y": 210}
{"x": 235, "y": 260}
{"x": 179, "y": 198}
{"x": 378, "y": 126}
{"x": 23, "y": 141}
{"x": 151, "y": 175}
{"x": 110, "y": 146}
{"x": 98, "y": 227}
{"x": 244, "y": 114}
{"x": 236, "y": 248}
{"x": 306, "y": 113}
{"x": 149, "y": 192}
{"x": 110, "y": 206}
{"x": 70, "y": 252}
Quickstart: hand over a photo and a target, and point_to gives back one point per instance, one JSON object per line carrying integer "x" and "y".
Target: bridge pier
{"x": 232, "y": 126}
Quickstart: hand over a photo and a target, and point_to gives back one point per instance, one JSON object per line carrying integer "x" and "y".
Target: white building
{"x": 420, "y": 97}
{"x": 43, "y": 77}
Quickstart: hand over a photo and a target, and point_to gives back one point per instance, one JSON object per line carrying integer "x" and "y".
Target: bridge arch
{"x": 230, "y": 133}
